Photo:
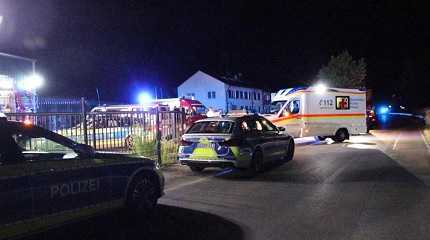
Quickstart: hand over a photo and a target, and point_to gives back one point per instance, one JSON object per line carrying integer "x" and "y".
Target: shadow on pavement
{"x": 168, "y": 223}
{"x": 370, "y": 166}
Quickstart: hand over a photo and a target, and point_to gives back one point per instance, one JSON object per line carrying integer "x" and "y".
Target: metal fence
{"x": 151, "y": 133}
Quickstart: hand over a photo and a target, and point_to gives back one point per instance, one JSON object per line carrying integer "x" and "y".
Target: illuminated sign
{"x": 342, "y": 102}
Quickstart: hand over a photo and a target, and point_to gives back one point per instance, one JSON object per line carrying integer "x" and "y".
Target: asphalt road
{"x": 367, "y": 188}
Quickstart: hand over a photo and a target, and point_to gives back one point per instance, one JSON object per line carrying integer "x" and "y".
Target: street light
{"x": 144, "y": 97}
{"x": 31, "y": 82}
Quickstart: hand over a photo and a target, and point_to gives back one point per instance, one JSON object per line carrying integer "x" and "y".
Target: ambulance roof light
{"x": 320, "y": 88}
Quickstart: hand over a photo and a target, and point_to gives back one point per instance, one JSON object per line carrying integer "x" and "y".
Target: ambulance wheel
{"x": 197, "y": 168}
{"x": 341, "y": 135}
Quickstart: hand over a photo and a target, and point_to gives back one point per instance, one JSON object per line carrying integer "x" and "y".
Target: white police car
{"x": 47, "y": 179}
{"x": 243, "y": 141}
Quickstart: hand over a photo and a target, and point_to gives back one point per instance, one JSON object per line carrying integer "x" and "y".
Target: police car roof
{"x": 226, "y": 118}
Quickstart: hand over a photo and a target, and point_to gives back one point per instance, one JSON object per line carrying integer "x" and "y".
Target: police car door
{"x": 56, "y": 179}
{"x": 15, "y": 192}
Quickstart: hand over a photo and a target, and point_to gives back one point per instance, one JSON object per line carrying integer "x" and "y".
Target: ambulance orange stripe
{"x": 319, "y": 115}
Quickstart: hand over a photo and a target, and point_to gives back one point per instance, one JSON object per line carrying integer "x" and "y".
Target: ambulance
{"x": 320, "y": 111}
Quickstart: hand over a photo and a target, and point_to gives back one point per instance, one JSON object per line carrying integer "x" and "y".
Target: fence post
{"x": 183, "y": 121}
{"x": 175, "y": 115}
{"x": 84, "y": 119}
{"x": 158, "y": 136}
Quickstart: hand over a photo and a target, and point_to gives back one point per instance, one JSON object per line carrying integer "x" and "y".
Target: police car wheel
{"x": 290, "y": 151}
{"x": 196, "y": 168}
{"x": 142, "y": 195}
{"x": 257, "y": 165}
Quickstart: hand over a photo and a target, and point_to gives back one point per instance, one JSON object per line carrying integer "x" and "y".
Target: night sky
{"x": 122, "y": 47}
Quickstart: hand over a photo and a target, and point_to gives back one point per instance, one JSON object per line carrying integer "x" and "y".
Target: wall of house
{"x": 240, "y": 98}
{"x": 198, "y": 86}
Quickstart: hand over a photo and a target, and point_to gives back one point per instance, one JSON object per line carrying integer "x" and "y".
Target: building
{"x": 223, "y": 94}
{"x": 15, "y": 96}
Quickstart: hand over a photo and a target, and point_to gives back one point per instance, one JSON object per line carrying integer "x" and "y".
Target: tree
{"x": 343, "y": 71}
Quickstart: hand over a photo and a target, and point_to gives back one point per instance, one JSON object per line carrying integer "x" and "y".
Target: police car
{"x": 47, "y": 179}
{"x": 243, "y": 141}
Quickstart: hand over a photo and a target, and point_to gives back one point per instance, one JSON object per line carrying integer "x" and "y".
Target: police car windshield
{"x": 276, "y": 106}
{"x": 212, "y": 127}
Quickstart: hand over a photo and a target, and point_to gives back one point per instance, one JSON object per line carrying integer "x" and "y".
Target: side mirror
{"x": 281, "y": 129}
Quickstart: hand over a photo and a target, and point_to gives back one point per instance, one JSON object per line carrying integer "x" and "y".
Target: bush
{"x": 169, "y": 149}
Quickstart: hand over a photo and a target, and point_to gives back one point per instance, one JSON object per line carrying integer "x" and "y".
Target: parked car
{"x": 47, "y": 179}
{"x": 247, "y": 141}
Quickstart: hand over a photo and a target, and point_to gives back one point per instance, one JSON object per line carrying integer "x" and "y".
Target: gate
{"x": 150, "y": 133}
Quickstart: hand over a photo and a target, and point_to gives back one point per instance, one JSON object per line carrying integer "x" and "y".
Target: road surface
{"x": 368, "y": 188}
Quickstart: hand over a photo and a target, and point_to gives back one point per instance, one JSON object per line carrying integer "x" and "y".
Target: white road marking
{"x": 425, "y": 142}
{"x": 396, "y": 141}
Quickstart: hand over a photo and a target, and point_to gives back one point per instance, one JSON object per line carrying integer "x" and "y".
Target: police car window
{"x": 40, "y": 144}
{"x": 255, "y": 125}
{"x": 245, "y": 127}
{"x": 212, "y": 127}
{"x": 267, "y": 126}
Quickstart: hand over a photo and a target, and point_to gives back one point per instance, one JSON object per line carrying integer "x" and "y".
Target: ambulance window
{"x": 294, "y": 106}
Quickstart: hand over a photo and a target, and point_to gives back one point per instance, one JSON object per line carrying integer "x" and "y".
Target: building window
{"x": 211, "y": 94}
{"x": 237, "y": 93}
{"x": 246, "y": 95}
{"x": 241, "y": 95}
{"x": 230, "y": 94}
{"x": 258, "y": 96}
